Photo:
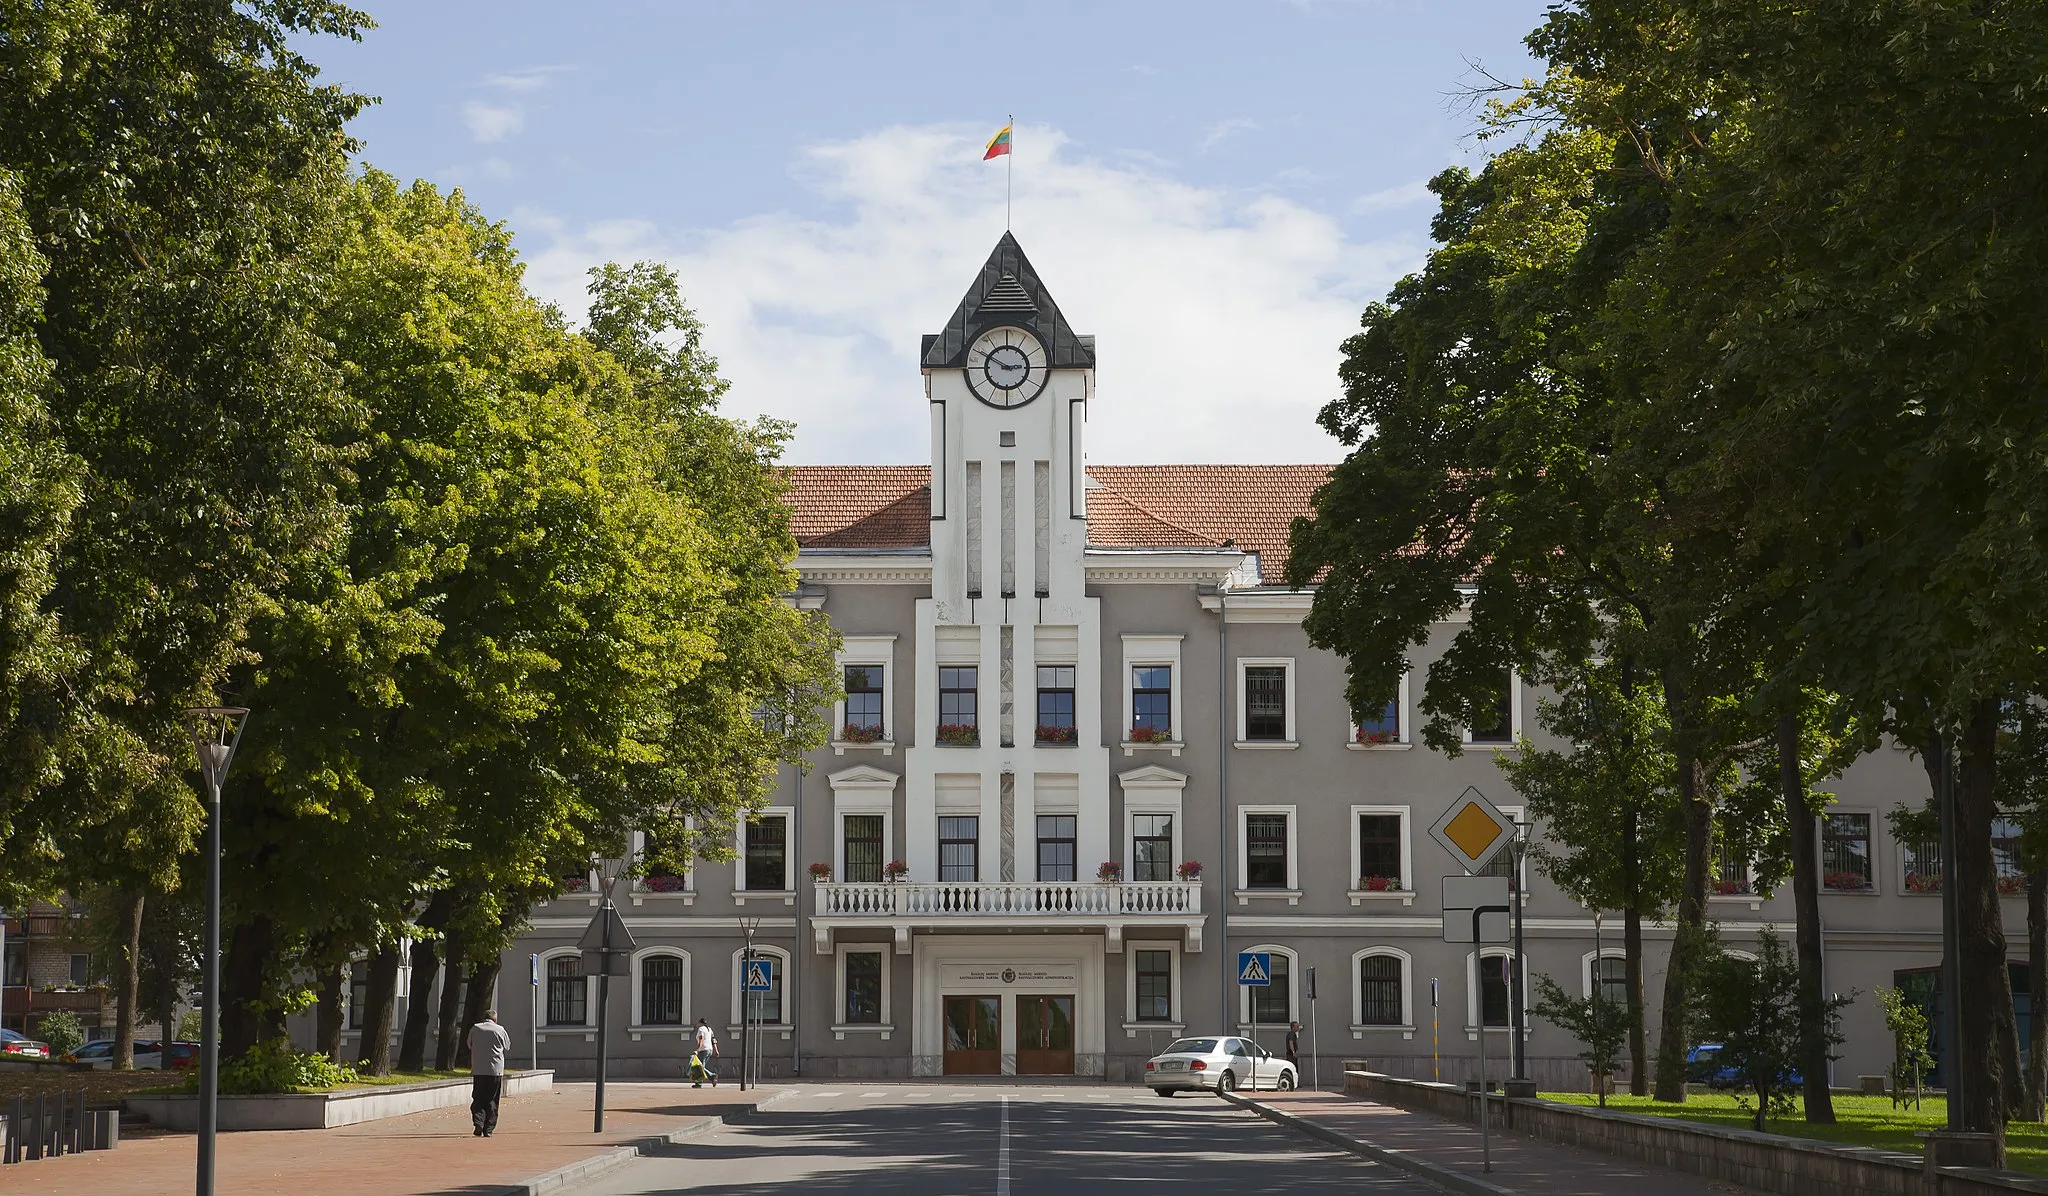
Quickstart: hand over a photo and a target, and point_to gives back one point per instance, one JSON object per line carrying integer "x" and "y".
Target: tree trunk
{"x": 1813, "y": 1022}
{"x": 449, "y": 1021}
{"x": 419, "y": 1004}
{"x": 1632, "y": 976}
{"x": 375, "y": 1055}
{"x": 1985, "y": 1002}
{"x": 483, "y": 981}
{"x": 245, "y": 1017}
{"x": 1687, "y": 935}
{"x": 329, "y": 1017}
{"x": 128, "y": 981}
{"x": 2037, "y": 990}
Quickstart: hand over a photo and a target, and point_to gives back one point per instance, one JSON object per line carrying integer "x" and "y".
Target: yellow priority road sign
{"x": 1473, "y": 830}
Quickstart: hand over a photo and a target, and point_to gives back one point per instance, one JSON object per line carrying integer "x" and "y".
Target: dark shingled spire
{"x": 1007, "y": 293}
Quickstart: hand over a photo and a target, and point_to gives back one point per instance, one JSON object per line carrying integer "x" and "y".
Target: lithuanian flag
{"x": 999, "y": 144}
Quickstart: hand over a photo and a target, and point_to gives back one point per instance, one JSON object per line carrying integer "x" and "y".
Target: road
{"x": 957, "y": 1140}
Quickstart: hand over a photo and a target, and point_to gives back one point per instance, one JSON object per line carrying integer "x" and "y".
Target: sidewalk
{"x": 423, "y": 1154}
{"x": 1448, "y": 1152}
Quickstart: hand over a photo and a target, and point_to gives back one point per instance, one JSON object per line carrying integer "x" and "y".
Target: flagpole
{"x": 1009, "y": 170}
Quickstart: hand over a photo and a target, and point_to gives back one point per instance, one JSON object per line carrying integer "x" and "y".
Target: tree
{"x": 1907, "y": 1022}
{"x": 1600, "y": 1026}
{"x": 1751, "y": 1007}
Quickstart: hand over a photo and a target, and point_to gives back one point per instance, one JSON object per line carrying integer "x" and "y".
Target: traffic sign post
{"x": 756, "y": 976}
{"x": 607, "y": 941}
{"x": 1481, "y": 914}
{"x": 1254, "y": 970}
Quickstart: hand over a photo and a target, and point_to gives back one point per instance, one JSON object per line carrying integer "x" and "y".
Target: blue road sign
{"x": 533, "y": 970}
{"x": 1255, "y": 968}
{"x": 760, "y": 975}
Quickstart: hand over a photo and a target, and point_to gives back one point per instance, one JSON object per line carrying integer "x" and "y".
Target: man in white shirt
{"x": 707, "y": 1050}
{"x": 487, "y": 1045}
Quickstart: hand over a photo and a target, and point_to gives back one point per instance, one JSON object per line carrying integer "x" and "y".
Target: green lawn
{"x": 1859, "y": 1121}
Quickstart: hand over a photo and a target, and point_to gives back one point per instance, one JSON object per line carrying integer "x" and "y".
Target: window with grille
{"x": 863, "y": 988}
{"x": 566, "y": 991}
{"x": 1611, "y": 974}
{"x": 1151, "y": 847}
{"x": 1500, "y": 727}
{"x": 1265, "y": 851}
{"x": 1379, "y": 991}
{"x": 1056, "y": 703}
{"x": 864, "y": 848}
{"x": 1265, "y": 702}
{"x": 1493, "y": 990}
{"x": 768, "y": 853}
{"x": 960, "y": 848}
{"x": 661, "y": 991}
{"x": 1503, "y": 861}
{"x": 1152, "y": 698}
{"x": 1379, "y": 851}
{"x": 959, "y": 709}
{"x": 1155, "y": 985}
{"x": 1731, "y": 870}
{"x": 1272, "y": 1005}
{"x": 864, "y": 698}
{"x": 1845, "y": 852}
{"x": 1056, "y": 846}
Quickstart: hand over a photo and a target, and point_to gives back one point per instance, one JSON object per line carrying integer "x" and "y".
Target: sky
{"x": 1214, "y": 190}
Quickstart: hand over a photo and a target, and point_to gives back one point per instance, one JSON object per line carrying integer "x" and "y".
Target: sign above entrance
{"x": 1254, "y": 969}
{"x": 1473, "y": 830}
{"x": 989, "y": 976}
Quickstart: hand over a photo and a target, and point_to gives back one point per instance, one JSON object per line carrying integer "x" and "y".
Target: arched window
{"x": 1382, "y": 990}
{"x": 661, "y": 990}
{"x": 1272, "y": 1004}
{"x": 568, "y": 993}
{"x": 766, "y": 1009}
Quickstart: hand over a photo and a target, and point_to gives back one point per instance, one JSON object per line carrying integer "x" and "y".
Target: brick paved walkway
{"x": 423, "y": 1154}
{"x": 1520, "y": 1165}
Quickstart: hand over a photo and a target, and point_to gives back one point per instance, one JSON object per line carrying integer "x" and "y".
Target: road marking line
{"x": 869, "y": 1095}
{"x": 1003, "y": 1154}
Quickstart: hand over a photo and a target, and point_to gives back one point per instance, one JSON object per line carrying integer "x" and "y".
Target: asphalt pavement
{"x": 984, "y": 1140}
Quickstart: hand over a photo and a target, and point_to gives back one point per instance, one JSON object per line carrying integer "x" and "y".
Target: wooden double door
{"x": 1045, "y": 1036}
{"x": 974, "y": 1036}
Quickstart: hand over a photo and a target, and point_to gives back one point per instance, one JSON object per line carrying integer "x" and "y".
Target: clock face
{"x": 1006, "y": 367}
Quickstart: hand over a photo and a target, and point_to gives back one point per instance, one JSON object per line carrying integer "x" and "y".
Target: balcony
{"x": 1077, "y": 905}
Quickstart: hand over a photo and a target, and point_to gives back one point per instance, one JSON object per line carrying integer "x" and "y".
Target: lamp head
{"x": 216, "y": 732}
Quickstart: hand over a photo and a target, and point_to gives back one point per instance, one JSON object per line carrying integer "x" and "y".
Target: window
{"x": 1152, "y": 699}
{"x": 1501, "y": 727}
{"x": 1056, "y": 703}
{"x": 1503, "y": 861}
{"x": 1273, "y": 1005}
{"x": 661, "y": 991}
{"x": 864, "y": 700}
{"x": 763, "y": 1008}
{"x": 1379, "y": 990}
{"x": 81, "y": 969}
{"x": 2005, "y": 854}
{"x": 1056, "y": 846}
{"x": 864, "y": 848}
{"x": 1610, "y": 973}
{"x": 767, "y": 854}
{"x": 959, "y": 848}
{"x": 1155, "y": 984}
{"x": 1731, "y": 870}
{"x": 1493, "y": 990}
{"x": 14, "y": 966}
{"x": 1265, "y": 702}
{"x": 1265, "y": 847}
{"x": 567, "y": 991}
{"x": 358, "y": 994}
{"x": 1152, "y": 847}
{"x": 1845, "y": 853}
{"x": 1921, "y": 859}
{"x": 958, "y": 707}
{"x": 1382, "y": 725}
{"x": 1379, "y": 851}
{"x": 863, "y": 988}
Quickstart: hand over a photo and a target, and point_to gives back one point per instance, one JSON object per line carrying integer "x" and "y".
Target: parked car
{"x": 99, "y": 1055}
{"x": 16, "y": 1045}
{"x": 1703, "y": 1065}
{"x": 179, "y": 1056}
{"x": 1221, "y": 1064}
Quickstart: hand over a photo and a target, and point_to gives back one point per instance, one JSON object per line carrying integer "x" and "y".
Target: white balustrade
{"x": 974, "y": 899}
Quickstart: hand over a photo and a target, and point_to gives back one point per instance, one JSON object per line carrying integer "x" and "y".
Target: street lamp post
{"x": 747, "y": 927}
{"x": 216, "y": 732}
{"x": 1516, "y": 1001}
{"x": 608, "y": 872}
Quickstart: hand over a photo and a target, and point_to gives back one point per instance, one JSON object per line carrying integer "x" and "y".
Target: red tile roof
{"x": 1133, "y": 506}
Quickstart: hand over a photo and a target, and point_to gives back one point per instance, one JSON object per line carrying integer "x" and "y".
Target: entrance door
{"x": 1045, "y": 1036}
{"x": 974, "y": 1036}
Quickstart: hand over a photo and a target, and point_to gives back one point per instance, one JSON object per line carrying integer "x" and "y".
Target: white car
{"x": 99, "y": 1054}
{"x": 1220, "y": 1064}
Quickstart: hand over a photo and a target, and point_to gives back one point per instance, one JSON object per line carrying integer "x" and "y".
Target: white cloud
{"x": 1393, "y": 197}
{"x": 491, "y": 122}
{"x": 533, "y": 78}
{"x": 1218, "y": 315}
{"x": 1222, "y": 129}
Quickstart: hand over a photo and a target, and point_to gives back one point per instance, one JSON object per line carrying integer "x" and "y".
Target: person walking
{"x": 707, "y": 1050}
{"x": 488, "y": 1043}
{"x": 1294, "y": 1048}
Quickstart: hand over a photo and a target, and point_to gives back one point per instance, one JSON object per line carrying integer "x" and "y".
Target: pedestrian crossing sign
{"x": 760, "y": 975}
{"x": 1255, "y": 968}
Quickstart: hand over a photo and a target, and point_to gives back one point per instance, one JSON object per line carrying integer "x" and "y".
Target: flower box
{"x": 1375, "y": 736}
{"x": 895, "y": 870}
{"x": 1109, "y": 871}
{"x": 1845, "y": 882}
{"x": 1379, "y": 884}
{"x": 664, "y": 882}
{"x": 1147, "y": 733}
{"x": 1190, "y": 870}
{"x": 2012, "y": 886}
{"x": 1923, "y": 882}
{"x": 576, "y": 884}
{"x": 1731, "y": 886}
{"x": 1048, "y": 734}
{"x": 857, "y": 733}
{"x": 959, "y": 734}
{"x": 820, "y": 872}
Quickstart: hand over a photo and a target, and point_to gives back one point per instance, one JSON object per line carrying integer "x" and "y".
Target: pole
{"x": 1436, "y": 1061}
{"x": 533, "y": 1009}
{"x": 1599, "y": 982}
{"x": 209, "y": 998}
{"x": 1009, "y": 170}
{"x": 746, "y": 1005}
{"x": 1485, "y": 1122}
{"x": 604, "y": 993}
{"x": 1315, "y": 1052}
{"x": 1516, "y": 1003}
{"x": 1952, "y": 1071}
{"x": 1254, "y": 1052}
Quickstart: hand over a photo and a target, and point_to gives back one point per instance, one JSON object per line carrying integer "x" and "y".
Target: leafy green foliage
{"x": 62, "y": 1030}
{"x": 1751, "y": 1007}
{"x": 1907, "y": 1022}
{"x": 1599, "y": 1026}
{"x": 272, "y": 1066}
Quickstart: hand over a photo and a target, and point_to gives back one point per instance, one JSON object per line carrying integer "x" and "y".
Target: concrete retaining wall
{"x": 1764, "y": 1162}
{"x": 324, "y": 1110}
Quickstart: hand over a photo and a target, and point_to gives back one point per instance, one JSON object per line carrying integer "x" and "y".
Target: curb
{"x": 1443, "y": 1177}
{"x": 584, "y": 1170}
